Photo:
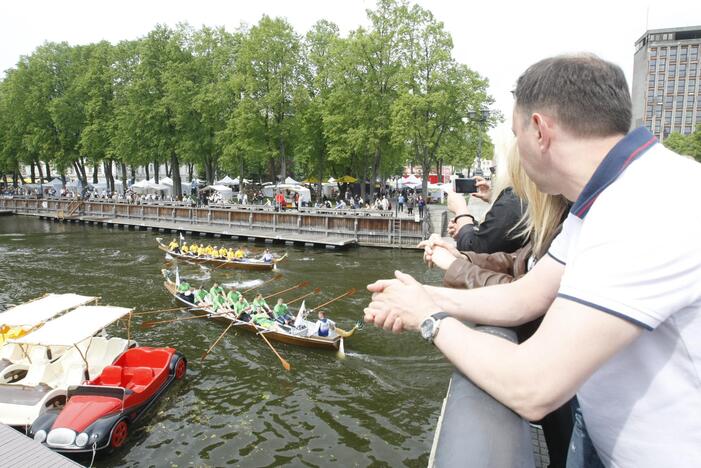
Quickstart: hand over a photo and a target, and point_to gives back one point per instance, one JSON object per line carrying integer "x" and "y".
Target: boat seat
{"x": 73, "y": 375}
{"x": 142, "y": 376}
{"x": 111, "y": 375}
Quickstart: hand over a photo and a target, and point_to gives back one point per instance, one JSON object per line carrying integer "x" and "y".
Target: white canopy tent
{"x": 225, "y": 192}
{"x": 409, "y": 182}
{"x": 74, "y": 326}
{"x": 40, "y": 310}
{"x": 228, "y": 181}
{"x": 149, "y": 186}
{"x": 291, "y": 181}
{"x": 57, "y": 184}
{"x": 304, "y": 193}
{"x": 329, "y": 189}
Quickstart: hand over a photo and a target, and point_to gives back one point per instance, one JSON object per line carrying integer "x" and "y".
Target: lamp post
{"x": 481, "y": 116}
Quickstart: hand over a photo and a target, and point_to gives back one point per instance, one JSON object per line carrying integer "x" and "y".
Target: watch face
{"x": 426, "y": 328}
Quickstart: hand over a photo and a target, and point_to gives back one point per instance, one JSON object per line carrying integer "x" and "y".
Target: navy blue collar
{"x": 630, "y": 148}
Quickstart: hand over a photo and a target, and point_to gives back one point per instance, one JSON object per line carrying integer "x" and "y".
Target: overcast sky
{"x": 498, "y": 39}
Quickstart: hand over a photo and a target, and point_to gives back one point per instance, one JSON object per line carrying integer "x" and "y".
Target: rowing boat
{"x": 244, "y": 264}
{"x": 295, "y": 336}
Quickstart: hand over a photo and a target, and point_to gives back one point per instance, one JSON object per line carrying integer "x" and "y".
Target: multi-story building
{"x": 666, "y": 81}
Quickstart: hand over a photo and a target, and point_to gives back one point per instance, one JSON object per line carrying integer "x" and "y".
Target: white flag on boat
{"x": 182, "y": 239}
{"x": 300, "y": 316}
{"x": 177, "y": 277}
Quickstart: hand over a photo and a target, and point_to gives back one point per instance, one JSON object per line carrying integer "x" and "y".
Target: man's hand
{"x": 401, "y": 305}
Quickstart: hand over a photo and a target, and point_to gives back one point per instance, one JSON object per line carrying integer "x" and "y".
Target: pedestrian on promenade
{"x": 622, "y": 315}
{"x": 400, "y": 202}
{"x": 421, "y": 203}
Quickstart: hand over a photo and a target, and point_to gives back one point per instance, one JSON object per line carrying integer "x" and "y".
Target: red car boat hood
{"x": 83, "y": 410}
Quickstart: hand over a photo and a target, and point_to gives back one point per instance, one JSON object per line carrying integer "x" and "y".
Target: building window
{"x": 687, "y": 130}
{"x": 663, "y": 51}
{"x": 672, "y": 51}
{"x": 694, "y": 53}
{"x": 670, "y": 87}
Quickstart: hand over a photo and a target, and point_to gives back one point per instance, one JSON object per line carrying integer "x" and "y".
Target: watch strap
{"x": 440, "y": 315}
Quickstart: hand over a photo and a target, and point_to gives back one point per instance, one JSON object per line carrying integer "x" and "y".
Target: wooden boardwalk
{"x": 308, "y": 226}
{"x": 16, "y": 449}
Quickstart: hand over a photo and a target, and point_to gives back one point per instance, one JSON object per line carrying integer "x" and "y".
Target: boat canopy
{"x": 74, "y": 326}
{"x": 40, "y": 310}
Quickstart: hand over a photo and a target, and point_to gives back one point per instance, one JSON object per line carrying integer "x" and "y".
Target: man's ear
{"x": 543, "y": 127}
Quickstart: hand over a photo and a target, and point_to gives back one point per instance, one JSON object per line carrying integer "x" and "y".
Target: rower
{"x": 216, "y": 290}
{"x": 184, "y": 249}
{"x": 230, "y": 254}
{"x": 233, "y": 295}
{"x": 183, "y": 289}
{"x": 201, "y": 297}
{"x": 280, "y": 313}
{"x": 259, "y": 304}
{"x": 213, "y": 252}
{"x": 240, "y": 307}
{"x": 240, "y": 253}
{"x": 267, "y": 256}
{"x": 263, "y": 320}
{"x": 222, "y": 252}
{"x": 219, "y": 303}
{"x": 201, "y": 251}
{"x": 173, "y": 246}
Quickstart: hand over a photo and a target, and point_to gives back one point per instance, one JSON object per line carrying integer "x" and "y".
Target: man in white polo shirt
{"x": 622, "y": 298}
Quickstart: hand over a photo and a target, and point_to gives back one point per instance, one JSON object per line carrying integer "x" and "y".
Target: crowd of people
{"x": 607, "y": 317}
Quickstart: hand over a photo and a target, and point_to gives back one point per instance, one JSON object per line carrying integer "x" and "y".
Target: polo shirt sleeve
{"x": 560, "y": 245}
{"x": 622, "y": 265}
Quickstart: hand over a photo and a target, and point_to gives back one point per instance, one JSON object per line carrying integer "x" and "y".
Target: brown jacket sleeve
{"x": 479, "y": 270}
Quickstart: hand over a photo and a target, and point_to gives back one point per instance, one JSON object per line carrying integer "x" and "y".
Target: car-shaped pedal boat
{"x": 98, "y": 415}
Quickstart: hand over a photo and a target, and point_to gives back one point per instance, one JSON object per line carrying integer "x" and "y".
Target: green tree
{"x": 269, "y": 68}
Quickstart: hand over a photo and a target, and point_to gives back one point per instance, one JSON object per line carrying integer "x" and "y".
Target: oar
{"x": 152, "y": 324}
{"x": 297, "y": 286}
{"x": 233, "y": 322}
{"x": 316, "y": 291}
{"x": 146, "y": 312}
{"x": 225, "y": 262}
{"x": 285, "y": 364}
{"x": 275, "y": 277}
{"x": 350, "y": 292}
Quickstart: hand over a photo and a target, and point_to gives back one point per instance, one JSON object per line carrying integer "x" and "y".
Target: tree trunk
{"x": 375, "y": 168}
{"x": 48, "y": 172}
{"x": 133, "y": 173}
{"x": 189, "y": 171}
{"x": 94, "y": 174}
{"x": 41, "y": 171}
{"x": 31, "y": 169}
{"x": 109, "y": 176}
{"x": 425, "y": 168}
{"x": 124, "y": 178}
{"x": 283, "y": 161}
{"x": 175, "y": 169}
{"x": 168, "y": 169}
{"x": 147, "y": 172}
{"x": 156, "y": 170}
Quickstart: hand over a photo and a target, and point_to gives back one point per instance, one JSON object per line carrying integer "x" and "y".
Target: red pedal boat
{"x": 98, "y": 415}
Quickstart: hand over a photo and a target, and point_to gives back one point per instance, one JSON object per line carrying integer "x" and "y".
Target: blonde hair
{"x": 544, "y": 213}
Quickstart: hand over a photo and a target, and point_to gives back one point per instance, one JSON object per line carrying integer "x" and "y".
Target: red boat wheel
{"x": 119, "y": 434}
{"x": 180, "y": 368}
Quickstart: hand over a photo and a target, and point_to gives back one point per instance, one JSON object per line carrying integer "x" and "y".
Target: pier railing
{"x": 366, "y": 227}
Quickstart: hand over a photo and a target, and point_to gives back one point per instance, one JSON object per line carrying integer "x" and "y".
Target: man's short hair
{"x": 587, "y": 95}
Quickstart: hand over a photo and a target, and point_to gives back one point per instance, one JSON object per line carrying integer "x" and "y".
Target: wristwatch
{"x": 429, "y": 327}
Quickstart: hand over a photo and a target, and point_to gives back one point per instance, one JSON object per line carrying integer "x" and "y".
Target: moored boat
{"x": 25, "y": 318}
{"x": 243, "y": 264}
{"x": 299, "y": 335}
{"x": 100, "y": 413}
{"x": 28, "y": 390}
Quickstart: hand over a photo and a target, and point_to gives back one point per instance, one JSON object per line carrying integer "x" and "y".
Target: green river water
{"x": 377, "y": 407}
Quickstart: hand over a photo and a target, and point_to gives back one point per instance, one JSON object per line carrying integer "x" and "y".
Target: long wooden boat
{"x": 245, "y": 264}
{"x": 319, "y": 342}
